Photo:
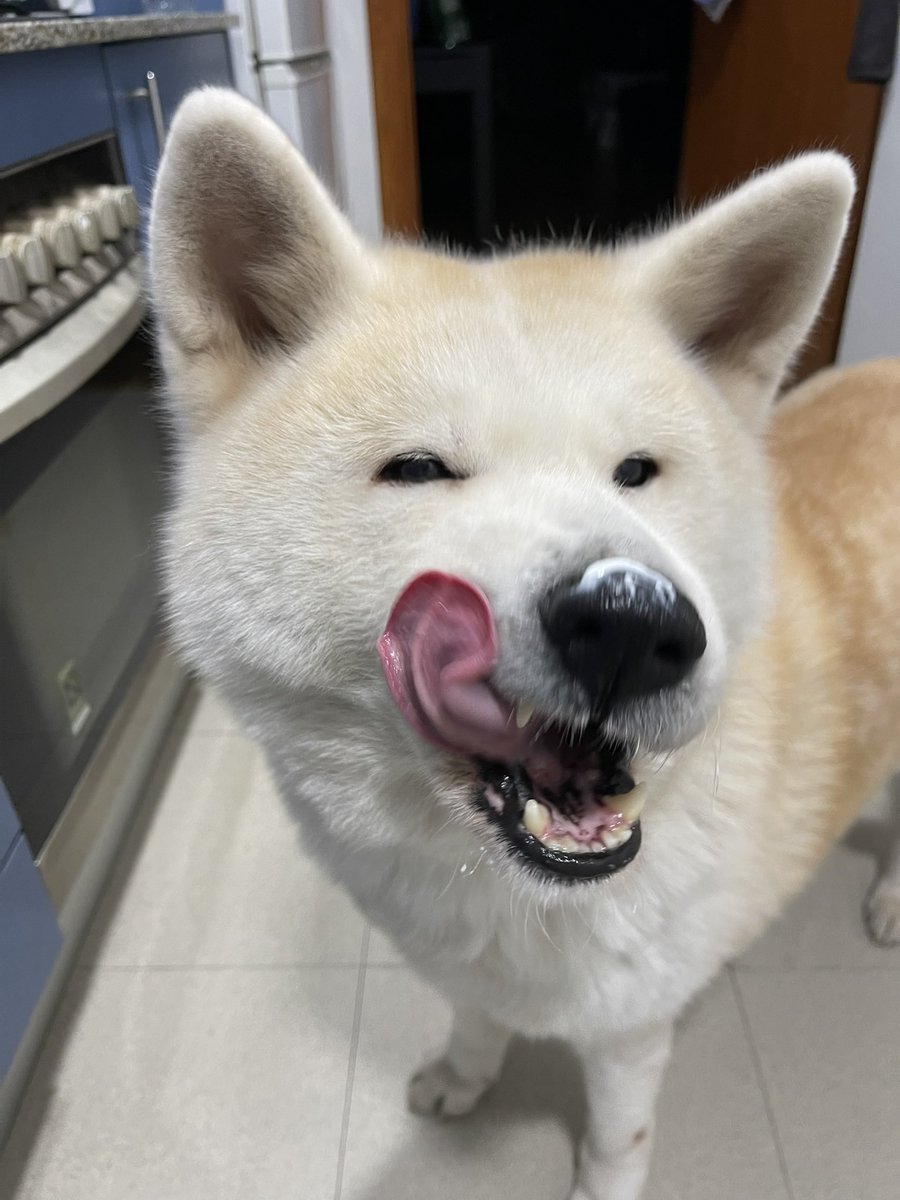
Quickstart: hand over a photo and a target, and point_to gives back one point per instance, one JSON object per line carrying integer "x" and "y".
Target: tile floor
{"x": 233, "y": 1031}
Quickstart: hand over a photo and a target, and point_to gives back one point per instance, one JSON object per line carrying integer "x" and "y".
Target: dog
{"x": 570, "y": 650}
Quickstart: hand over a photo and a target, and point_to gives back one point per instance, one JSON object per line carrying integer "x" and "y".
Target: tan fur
{"x": 835, "y": 445}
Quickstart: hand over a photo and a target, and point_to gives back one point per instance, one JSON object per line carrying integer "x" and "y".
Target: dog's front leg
{"x": 622, "y": 1078}
{"x": 453, "y": 1084}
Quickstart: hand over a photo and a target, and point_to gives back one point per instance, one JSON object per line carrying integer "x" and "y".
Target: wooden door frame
{"x": 768, "y": 81}
{"x": 393, "y": 85}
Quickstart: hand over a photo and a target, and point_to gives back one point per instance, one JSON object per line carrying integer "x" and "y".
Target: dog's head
{"x": 485, "y": 535}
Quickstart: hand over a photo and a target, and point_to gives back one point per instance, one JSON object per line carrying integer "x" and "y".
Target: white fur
{"x": 536, "y": 376}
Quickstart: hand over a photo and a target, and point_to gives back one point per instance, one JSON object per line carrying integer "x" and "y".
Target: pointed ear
{"x": 249, "y": 254}
{"x": 740, "y": 283}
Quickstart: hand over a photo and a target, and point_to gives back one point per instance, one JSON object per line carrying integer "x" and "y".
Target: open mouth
{"x": 576, "y": 819}
{"x": 568, "y": 806}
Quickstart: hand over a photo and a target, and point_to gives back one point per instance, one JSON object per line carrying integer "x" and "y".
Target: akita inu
{"x": 511, "y": 562}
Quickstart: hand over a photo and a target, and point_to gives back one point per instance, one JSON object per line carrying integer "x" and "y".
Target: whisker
{"x": 449, "y": 882}
{"x": 544, "y": 928}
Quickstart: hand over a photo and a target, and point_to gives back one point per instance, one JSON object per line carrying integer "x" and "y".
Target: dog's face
{"x": 493, "y": 532}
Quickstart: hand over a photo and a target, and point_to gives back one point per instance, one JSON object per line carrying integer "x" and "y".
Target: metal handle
{"x": 151, "y": 93}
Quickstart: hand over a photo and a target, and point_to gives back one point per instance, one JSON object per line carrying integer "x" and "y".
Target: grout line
{"x": 761, "y": 1083}
{"x": 225, "y": 733}
{"x": 189, "y": 968}
{"x": 800, "y": 968}
{"x": 351, "y": 1062}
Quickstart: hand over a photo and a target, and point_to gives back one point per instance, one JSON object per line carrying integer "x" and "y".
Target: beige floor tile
{"x": 823, "y": 926}
{"x": 214, "y": 874}
{"x": 714, "y": 1141}
{"x": 221, "y": 1073}
{"x": 382, "y": 951}
{"x": 189, "y": 1085}
{"x": 209, "y": 714}
{"x": 829, "y": 1044}
{"x": 517, "y": 1145}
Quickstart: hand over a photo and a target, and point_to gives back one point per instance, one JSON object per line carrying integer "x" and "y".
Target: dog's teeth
{"x": 568, "y": 845}
{"x": 598, "y": 848}
{"x": 524, "y": 713}
{"x": 536, "y": 819}
{"x": 613, "y": 838}
{"x": 632, "y": 805}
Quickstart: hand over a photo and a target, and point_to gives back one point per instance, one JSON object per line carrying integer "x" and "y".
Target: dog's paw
{"x": 438, "y": 1091}
{"x": 882, "y": 912}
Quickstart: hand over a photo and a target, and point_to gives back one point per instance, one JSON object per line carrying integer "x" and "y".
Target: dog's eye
{"x": 635, "y": 471}
{"x": 415, "y": 468}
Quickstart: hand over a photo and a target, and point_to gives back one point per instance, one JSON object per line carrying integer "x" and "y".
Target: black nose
{"x": 624, "y": 632}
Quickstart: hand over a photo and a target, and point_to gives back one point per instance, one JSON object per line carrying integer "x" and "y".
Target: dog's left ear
{"x": 740, "y": 283}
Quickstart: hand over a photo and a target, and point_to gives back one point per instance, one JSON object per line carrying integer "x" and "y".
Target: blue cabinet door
{"x": 179, "y": 64}
{"x": 29, "y": 942}
{"x": 49, "y": 98}
{"x": 9, "y": 823}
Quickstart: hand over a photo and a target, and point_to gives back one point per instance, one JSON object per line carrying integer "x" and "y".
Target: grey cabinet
{"x": 51, "y": 100}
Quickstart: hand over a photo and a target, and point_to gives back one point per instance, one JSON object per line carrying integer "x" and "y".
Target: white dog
{"x": 505, "y": 566}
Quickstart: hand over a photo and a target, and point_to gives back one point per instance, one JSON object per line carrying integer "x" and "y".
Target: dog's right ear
{"x": 249, "y": 253}
{"x": 740, "y": 283}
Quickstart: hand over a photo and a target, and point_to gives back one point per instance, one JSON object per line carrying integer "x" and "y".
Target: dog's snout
{"x": 623, "y": 630}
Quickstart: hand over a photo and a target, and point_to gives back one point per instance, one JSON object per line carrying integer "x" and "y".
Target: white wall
{"x": 355, "y": 136}
{"x": 356, "y": 140}
{"x": 872, "y": 316}
{"x": 243, "y": 48}
{"x": 353, "y": 107}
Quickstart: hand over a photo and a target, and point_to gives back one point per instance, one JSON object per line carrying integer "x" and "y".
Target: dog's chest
{"x": 598, "y": 965}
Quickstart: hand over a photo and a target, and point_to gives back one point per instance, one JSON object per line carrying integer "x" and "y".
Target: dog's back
{"x": 836, "y": 448}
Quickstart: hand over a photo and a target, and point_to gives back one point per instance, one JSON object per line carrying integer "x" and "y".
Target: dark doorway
{"x": 541, "y": 118}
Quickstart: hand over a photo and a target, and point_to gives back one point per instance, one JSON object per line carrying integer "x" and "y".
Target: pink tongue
{"x": 438, "y": 650}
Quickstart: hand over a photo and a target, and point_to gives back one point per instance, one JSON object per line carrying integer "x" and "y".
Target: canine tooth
{"x": 632, "y": 805}
{"x": 524, "y": 713}
{"x": 598, "y": 848}
{"x": 613, "y": 838}
{"x": 536, "y": 818}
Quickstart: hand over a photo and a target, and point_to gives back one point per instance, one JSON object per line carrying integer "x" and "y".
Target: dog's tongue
{"x": 438, "y": 650}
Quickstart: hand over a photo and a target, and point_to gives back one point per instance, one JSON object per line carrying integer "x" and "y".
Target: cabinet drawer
{"x": 49, "y": 98}
{"x": 29, "y": 942}
{"x": 179, "y": 64}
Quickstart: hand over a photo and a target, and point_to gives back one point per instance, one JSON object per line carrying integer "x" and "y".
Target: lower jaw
{"x": 578, "y": 867}
{"x": 552, "y": 865}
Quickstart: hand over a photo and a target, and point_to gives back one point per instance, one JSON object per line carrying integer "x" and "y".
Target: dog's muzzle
{"x": 561, "y": 796}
